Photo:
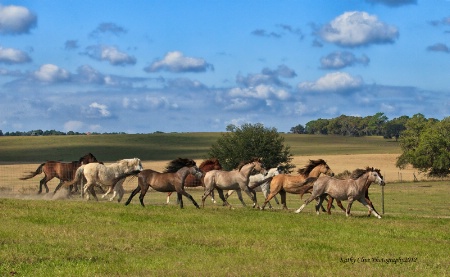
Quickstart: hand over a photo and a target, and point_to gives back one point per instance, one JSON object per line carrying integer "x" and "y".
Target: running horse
{"x": 191, "y": 181}
{"x": 283, "y": 183}
{"x": 167, "y": 181}
{"x": 63, "y": 171}
{"x": 348, "y": 189}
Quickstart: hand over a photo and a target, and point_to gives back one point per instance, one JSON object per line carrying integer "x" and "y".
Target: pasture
{"x": 43, "y": 236}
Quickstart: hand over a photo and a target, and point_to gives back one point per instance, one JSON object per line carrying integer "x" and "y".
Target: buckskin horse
{"x": 62, "y": 171}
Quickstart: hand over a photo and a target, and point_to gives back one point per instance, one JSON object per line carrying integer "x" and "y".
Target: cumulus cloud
{"x": 338, "y": 60}
{"x": 50, "y": 73}
{"x": 13, "y": 56}
{"x": 96, "y": 110}
{"x": 259, "y": 92}
{"x": 333, "y": 82}
{"x": 73, "y": 125}
{"x": 176, "y": 62}
{"x": 16, "y": 20}
{"x": 393, "y": 3}
{"x": 108, "y": 27}
{"x": 355, "y": 28}
{"x": 267, "y": 76}
{"x": 439, "y": 47}
{"x": 109, "y": 53}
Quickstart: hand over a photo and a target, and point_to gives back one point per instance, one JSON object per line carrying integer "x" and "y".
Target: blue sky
{"x": 195, "y": 66}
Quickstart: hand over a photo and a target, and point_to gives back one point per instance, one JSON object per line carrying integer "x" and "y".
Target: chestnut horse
{"x": 167, "y": 181}
{"x": 349, "y": 189}
{"x": 191, "y": 181}
{"x": 366, "y": 195}
{"x": 283, "y": 183}
{"x": 60, "y": 170}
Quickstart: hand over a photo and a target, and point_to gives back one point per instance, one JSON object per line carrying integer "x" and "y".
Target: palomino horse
{"x": 167, "y": 181}
{"x": 191, "y": 181}
{"x": 366, "y": 195}
{"x": 283, "y": 183}
{"x": 258, "y": 182}
{"x": 100, "y": 174}
{"x": 60, "y": 170}
{"x": 349, "y": 189}
{"x": 231, "y": 180}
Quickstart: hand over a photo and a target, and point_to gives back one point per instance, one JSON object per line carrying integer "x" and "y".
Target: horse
{"x": 167, "y": 181}
{"x": 231, "y": 180}
{"x": 349, "y": 189}
{"x": 258, "y": 182}
{"x": 100, "y": 174}
{"x": 366, "y": 195}
{"x": 62, "y": 171}
{"x": 191, "y": 181}
{"x": 283, "y": 183}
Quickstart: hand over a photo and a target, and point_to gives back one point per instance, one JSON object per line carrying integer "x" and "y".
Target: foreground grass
{"x": 87, "y": 238}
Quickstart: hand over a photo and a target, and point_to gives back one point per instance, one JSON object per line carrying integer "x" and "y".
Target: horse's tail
{"x": 306, "y": 187}
{"x": 259, "y": 183}
{"x": 32, "y": 174}
{"x": 76, "y": 178}
{"x": 122, "y": 176}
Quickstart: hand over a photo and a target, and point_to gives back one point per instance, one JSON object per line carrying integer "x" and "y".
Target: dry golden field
{"x": 11, "y": 185}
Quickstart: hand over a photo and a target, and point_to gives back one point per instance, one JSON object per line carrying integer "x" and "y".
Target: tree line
{"x": 53, "y": 133}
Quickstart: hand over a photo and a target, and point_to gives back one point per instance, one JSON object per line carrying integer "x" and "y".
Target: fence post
{"x": 382, "y": 200}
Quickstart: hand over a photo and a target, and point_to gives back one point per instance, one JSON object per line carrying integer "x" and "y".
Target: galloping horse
{"x": 283, "y": 183}
{"x": 60, "y": 170}
{"x": 349, "y": 189}
{"x": 167, "y": 181}
{"x": 204, "y": 167}
{"x": 366, "y": 195}
{"x": 231, "y": 180}
{"x": 258, "y": 182}
{"x": 97, "y": 173}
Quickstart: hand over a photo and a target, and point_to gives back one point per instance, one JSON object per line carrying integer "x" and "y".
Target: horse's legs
{"x": 363, "y": 201}
{"x": 319, "y": 204}
{"x": 212, "y": 197}
{"x": 205, "y": 194}
{"x": 307, "y": 201}
{"x": 229, "y": 192}
{"x": 183, "y": 192}
{"x": 330, "y": 202}
{"x": 61, "y": 182}
{"x": 168, "y": 197}
{"x": 142, "y": 195}
{"x": 43, "y": 182}
{"x": 269, "y": 197}
{"x": 121, "y": 192}
{"x": 251, "y": 195}
{"x": 180, "y": 199}
{"x": 239, "y": 193}
{"x": 264, "y": 189}
{"x": 349, "y": 206}
{"x": 339, "y": 203}
{"x": 133, "y": 193}
{"x": 283, "y": 199}
{"x": 222, "y": 197}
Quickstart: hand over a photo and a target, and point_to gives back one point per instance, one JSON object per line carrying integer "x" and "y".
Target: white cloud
{"x": 109, "y": 53}
{"x": 13, "y": 56}
{"x": 176, "y": 62}
{"x": 73, "y": 125}
{"x": 96, "y": 109}
{"x": 358, "y": 29}
{"x": 16, "y": 20}
{"x": 336, "y": 81}
{"x": 339, "y": 59}
{"x": 259, "y": 92}
{"x": 51, "y": 73}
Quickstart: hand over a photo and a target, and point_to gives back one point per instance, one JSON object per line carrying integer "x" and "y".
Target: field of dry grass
{"x": 11, "y": 185}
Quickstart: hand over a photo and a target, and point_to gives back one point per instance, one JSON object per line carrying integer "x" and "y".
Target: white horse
{"x": 254, "y": 183}
{"x": 107, "y": 175}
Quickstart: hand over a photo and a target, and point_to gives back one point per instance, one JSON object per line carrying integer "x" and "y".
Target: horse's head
{"x": 375, "y": 176}
{"x": 259, "y": 167}
{"x": 194, "y": 170}
{"x": 211, "y": 164}
{"x": 134, "y": 164}
{"x": 88, "y": 158}
{"x": 272, "y": 172}
{"x": 315, "y": 167}
{"x": 325, "y": 169}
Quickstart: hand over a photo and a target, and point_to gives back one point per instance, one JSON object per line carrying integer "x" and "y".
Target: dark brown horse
{"x": 62, "y": 171}
{"x": 191, "y": 181}
{"x": 167, "y": 181}
{"x": 330, "y": 199}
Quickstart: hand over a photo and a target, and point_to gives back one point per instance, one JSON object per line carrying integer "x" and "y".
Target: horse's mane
{"x": 359, "y": 172}
{"x": 309, "y": 167}
{"x": 177, "y": 164}
{"x": 241, "y": 164}
{"x": 209, "y": 161}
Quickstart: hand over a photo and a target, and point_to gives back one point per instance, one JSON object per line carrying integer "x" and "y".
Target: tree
{"x": 426, "y": 145}
{"x": 249, "y": 141}
{"x": 394, "y": 127}
{"x": 299, "y": 129}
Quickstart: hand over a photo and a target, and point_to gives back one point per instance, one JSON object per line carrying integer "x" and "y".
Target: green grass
{"x": 155, "y": 147}
{"x": 87, "y": 238}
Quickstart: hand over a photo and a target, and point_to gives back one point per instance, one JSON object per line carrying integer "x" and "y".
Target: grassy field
{"x": 75, "y": 237}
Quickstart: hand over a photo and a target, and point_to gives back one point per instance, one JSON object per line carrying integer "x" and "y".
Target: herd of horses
{"x": 315, "y": 178}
